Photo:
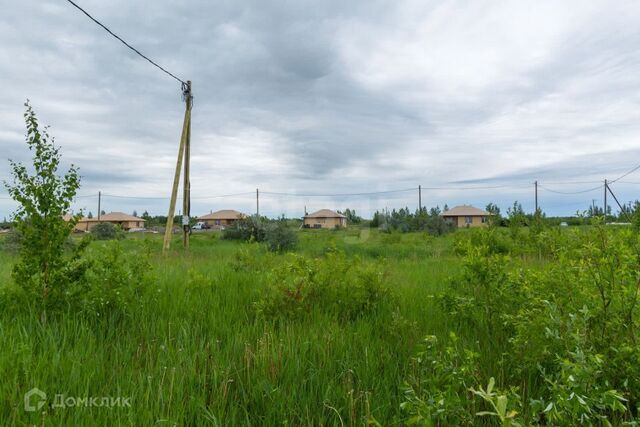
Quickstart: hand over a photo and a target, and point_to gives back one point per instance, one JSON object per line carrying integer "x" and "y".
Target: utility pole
{"x": 536, "y": 185}
{"x": 99, "y": 208}
{"x": 420, "y": 198}
{"x": 593, "y": 207}
{"x": 257, "y": 203}
{"x": 605, "y": 201}
{"x": 186, "y": 185}
{"x": 184, "y": 143}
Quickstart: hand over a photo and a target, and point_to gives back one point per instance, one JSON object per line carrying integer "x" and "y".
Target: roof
{"x": 114, "y": 217}
{"x": 119, "y": 216}
{"x": 223, "y": 214}
{"x": 325, "y": 213}
{"x": 465, "y": 210}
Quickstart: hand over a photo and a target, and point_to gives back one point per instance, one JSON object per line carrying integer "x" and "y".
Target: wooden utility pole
{"x": 605, "y": 201}
{"x": 99, "y": 207}
{"x": 182, "y": 151}
{"x": 257, "y": 203}
{"x": 536, "y": 185}
{"x": 186, "y": 199}
{"x": 420, "y": 198}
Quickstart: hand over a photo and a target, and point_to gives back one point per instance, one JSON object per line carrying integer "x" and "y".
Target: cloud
{"x": 329, "y": 97}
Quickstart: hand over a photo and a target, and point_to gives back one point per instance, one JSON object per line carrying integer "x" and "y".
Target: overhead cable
{"x": 127, "y": 44}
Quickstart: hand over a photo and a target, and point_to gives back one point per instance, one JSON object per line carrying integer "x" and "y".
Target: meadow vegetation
{"x": 268, "y": 324}
{"x": 355, "y": 326}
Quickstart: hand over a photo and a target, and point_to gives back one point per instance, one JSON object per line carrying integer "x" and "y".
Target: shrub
{"x": 113, "y": 282}
{"x": 436, "y": 225}
{"x": 346, "y": 289}
{"x": 104, "y": 231}
{"x": 279, "y": 237}
{"x": 248, "y": 229}
{"x": 12, "y": 241}
{"x": 438, "y": 390}
{"x": 566, "y": 332}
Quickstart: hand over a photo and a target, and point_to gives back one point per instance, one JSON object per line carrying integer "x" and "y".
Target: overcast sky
{"x": 324, "y": 97}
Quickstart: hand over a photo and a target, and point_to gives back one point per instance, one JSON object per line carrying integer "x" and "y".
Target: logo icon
{"x": 31, "y": 403}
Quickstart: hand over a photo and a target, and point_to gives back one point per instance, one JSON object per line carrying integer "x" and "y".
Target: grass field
{"x": 193, "y": 350}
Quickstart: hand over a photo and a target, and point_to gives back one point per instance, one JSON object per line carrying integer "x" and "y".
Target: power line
{"x": 571, "y": 192}
{"x": 127, "y": 44}
{"x": 571, "y": 182}
{"x": 117, "y": 196}
{"x": 246, "y": 193}
{"x": 339, "y": 194}
{"x": 625, "y": 174}
{"x": 490, "y": 187}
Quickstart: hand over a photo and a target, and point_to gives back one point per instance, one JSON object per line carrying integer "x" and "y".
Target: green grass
{"x": 194, "y": 352}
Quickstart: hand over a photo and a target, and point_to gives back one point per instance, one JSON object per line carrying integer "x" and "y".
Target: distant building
{"x": 221, "y": 219}
{"x": 121, "y": 219}
{"x": 467, "y": 216}
{"x": 324, "y": 218}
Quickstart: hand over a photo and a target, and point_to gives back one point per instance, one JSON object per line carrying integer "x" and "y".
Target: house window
{"x": 217, "y": 222}
{"x": 468, "y": 220}
{"x": 484, "y": 219}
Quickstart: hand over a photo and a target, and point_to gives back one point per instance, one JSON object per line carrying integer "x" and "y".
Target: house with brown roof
{"x": 221, "y": 219}
{"x": 467, "y": 216}
{"x": 324, "y": 218}
{"x": 121, "y": 219}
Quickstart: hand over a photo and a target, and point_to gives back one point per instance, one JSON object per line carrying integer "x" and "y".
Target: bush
{"x": 12, "y": 241}
{"x": 113, "y": 282}
{"x": 247, "y": 229}
{"x": 280, "y": 238}
{"x": 346, "y": 289}
{"x": 566, "y": 332}
{"x": 104, "y": 231}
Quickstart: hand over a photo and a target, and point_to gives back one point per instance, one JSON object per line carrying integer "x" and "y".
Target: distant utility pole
{"x": 593, "y": 207}
{"x": 184, "y": 152}
{"x": 605, "y": 201}
{"x": 99, "y": 201}
{"x": 420, "y": 198}
{"x": 257, "y": 203}
{"x": 536, "y": 185}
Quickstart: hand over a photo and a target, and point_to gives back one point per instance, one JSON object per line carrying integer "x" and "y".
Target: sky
{"x": 309, "y": 98}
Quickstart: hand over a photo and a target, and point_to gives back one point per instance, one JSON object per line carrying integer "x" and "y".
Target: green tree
{"x": 352, "y": 217}
{"x": 43, "y": 270}
{"x": 492, "y": 208}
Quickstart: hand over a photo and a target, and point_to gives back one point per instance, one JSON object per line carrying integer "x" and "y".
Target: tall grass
{"x": 195, "y": 352}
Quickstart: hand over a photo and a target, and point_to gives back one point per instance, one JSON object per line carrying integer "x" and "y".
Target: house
{"x": 221, "y": 219}
{"x": 324, "y": 218}
{"x": 121, "y": 219}
{"x": 466, "y": 216}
